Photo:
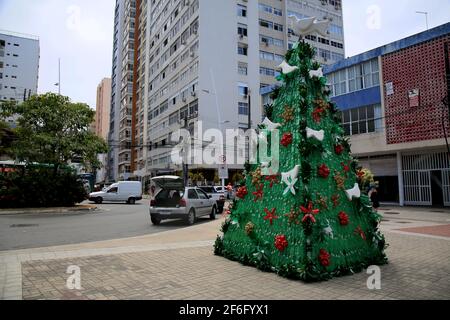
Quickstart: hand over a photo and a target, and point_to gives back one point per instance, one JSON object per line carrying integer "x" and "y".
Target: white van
{"x": 125, "y": 191}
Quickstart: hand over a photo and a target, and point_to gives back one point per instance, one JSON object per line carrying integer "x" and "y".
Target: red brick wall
{"x": 419, "y": 67}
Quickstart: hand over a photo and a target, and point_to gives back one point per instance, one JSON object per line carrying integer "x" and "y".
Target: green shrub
{"x": 40, "y": 187}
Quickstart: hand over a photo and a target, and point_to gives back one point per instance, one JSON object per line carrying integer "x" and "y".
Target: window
{"x": 192, "y": 194}
{"x": 242, "y": 30}
{"x": 1, "y": 64}
{"x": 266, "y": 55}
{"x": 243, "y": 69}
{"x": 243, "y": 108}
{"x": 243, "y": 90}
{"x": 202, "y": 195}
{"x": 242, "y": 49}
{"x": 241, "y": 11}
{"x": 278, "y": 27}
{"x": 266, "y": 24}
{"x": 338, "y": 82}
{"x": 277, "y": 12}
{"x": 362, "y": 120}
{"x": 266, "y": 71}
{"x": 265, "y": 8}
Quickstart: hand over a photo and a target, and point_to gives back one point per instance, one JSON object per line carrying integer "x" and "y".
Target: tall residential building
{"x": 103, "y": 108}
{"x": 208, "y": 60}
{"x": 119, "y": 140}
{"x": 200, "y": 60}
{"x": 19, "y": 66}
{"x": 393, "y": 108}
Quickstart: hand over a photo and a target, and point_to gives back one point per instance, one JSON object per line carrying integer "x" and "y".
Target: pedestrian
{"x": 373, "y": 194}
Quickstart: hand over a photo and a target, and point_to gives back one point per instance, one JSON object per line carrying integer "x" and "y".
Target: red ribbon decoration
{"x": 360, "y": 232}
{"x": 270, "y": 215}
{"x": 317, "y": 114}
{"x": 273, "y": 179}
{"x": 258, "y": 194}
{"x": 309, "y": 213}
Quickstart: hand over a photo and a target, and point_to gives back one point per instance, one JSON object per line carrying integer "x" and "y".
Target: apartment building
{"x": 103, "y": 108}
{"x": 120, "y": 131}
{"x": 208, "y": 60}
{"x": 19, "y": 66}
{"x": 393, "y": 108}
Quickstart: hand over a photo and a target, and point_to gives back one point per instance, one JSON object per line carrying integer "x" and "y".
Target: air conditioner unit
{"x": 193, "y": 93}
{"x": 184, "y": 99}
{"x": 186, "y": 2}
{"x": 183, "y": 42}
{"x": 241, "y": 36}
{"x": 192, "y": 54}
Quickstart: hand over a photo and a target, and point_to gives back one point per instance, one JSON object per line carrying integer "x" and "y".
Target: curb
{"x": 81, "y": 209}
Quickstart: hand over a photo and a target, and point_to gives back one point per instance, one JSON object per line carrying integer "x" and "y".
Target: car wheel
{"x": 212, "y": 216}
{"x": 132, "y": 201}
{"x": 156, "y": 221}
{"x": 191, "y": 217}
{"x": 99, "y": 200}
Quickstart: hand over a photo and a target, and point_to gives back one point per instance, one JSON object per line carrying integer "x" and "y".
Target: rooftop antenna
{"x": 426, "y": 16}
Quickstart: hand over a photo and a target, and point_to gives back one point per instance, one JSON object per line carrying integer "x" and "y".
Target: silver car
{"x": 175, "y": 201}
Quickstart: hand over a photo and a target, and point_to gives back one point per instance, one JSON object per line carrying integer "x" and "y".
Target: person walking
{"x": 373, "y": 194}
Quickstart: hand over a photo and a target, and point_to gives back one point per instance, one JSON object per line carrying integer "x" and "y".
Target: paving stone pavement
{"x": 164, "y": 267}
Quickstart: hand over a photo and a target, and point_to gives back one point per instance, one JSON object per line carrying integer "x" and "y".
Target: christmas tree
{"x": 310, "y": 221}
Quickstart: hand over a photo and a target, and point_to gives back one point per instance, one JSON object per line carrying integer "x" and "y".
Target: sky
{"x": 80, "y": 32}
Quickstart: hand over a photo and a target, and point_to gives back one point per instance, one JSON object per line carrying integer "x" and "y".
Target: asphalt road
{"x": 111, "y": 221}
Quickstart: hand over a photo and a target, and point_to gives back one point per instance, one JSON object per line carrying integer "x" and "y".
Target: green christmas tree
{"x": 310, "y": 221}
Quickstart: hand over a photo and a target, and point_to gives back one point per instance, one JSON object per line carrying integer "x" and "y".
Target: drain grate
{"x": 23, "y": 225}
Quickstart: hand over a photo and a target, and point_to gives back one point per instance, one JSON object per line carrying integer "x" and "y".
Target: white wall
{"x": 27, "y": 70}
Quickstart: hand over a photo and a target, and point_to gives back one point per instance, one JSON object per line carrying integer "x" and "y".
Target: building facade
{"x": 119, "y": 139}
{"x": 178, "y": 63}
{"x": 208, "y": 60}
{"x": 103, "y": 108}
{"x": 393, "y": 109}
{"x": 19, "y": 66}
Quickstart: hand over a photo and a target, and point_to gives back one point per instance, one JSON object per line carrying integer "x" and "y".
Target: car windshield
{"x": 208, "y": 189}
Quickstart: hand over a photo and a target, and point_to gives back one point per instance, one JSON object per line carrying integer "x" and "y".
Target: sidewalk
{"x": 180, "y": 264}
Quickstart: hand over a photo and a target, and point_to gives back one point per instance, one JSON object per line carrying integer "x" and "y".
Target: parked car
{"x": 176, "y": 201}
{"x": 218, "y": 196}
{"x": 124, "y": 191}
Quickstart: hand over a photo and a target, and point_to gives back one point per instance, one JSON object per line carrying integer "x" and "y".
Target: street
{"x": 110, "y": 221}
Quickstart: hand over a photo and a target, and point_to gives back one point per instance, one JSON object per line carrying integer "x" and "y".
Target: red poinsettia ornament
{"x": 281, "y": 243}
{"x": 345, "y": 167}
{"x": 324, "y": 171}
{"x": 287, "y": 139}
{"x": 309, "y": 213}
{"x": 343, "y": 218}
{"x": 324, "y": 258}
{"x": 339, "y": 149}
{"x": 242, "y": 192}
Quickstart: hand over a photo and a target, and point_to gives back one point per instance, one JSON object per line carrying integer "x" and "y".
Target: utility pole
{"x": 249, "y": 121}
{"x": 58, "y": 84}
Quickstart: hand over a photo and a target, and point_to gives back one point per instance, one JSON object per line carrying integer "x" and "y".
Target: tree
{"x": 53, "y": 130}
{"x": 311, "y": 222}
{"x": 6, "y": 138}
